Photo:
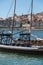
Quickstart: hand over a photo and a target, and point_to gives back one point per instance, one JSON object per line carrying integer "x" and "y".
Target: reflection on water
{"x": 20, "y": 59}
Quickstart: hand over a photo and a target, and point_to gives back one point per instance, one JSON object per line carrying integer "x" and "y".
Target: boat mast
{"x": 31, "y": 12}
{"x": 14, "y": 15}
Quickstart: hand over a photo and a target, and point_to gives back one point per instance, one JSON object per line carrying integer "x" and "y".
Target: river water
{"x": 37, "y": 33}
{"x": 20, "y": 59}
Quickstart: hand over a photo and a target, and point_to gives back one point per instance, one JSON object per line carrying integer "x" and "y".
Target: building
{"x": 1, "y": 22}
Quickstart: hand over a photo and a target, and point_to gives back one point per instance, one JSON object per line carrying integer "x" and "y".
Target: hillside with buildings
{"x": 37, "y": 20}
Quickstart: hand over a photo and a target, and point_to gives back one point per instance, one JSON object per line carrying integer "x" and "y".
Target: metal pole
{"x": 31, "y": 11}
{"x": 13, "y": 18}
{"x": 31, "y": 18}
{"x": 14, "y": 15}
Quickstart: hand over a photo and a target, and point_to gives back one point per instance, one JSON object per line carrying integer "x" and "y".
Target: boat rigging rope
{"x": 8, "y": 12}
{"x": 10, "y": 8}
{"x": 37, "y": 38}
{"x": 19, "y": 32}
{"x": 34, "y": 35}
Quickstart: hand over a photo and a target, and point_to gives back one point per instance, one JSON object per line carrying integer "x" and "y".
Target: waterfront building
{"x": 1, "y": 22}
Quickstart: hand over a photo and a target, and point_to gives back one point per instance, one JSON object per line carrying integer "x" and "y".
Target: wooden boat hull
{"x": 18, "y": 49}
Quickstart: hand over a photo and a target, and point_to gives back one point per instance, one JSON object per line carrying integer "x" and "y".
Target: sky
{"x": 22, "y": 7}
